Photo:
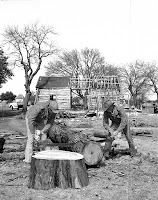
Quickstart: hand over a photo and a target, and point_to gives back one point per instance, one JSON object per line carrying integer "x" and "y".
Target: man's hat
{"x": 53, "y": 106}
{"x": 107, "y": 104}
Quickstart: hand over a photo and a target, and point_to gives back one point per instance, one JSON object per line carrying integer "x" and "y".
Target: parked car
{"x": 16, "y": 105}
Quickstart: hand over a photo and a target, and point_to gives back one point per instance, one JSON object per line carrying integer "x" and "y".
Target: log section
{"x": 57, "y": 168}
{"x": 92, "y": 153}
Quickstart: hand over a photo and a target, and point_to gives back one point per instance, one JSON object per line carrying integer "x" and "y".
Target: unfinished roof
{"x": 46, "y": 82}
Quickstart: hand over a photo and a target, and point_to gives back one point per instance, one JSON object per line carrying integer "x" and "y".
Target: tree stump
{"x": 57, "y": 168}
{"x": 92, "y": 153}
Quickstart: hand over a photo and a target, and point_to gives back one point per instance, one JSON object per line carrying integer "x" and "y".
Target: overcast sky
{"x": 122, "y": 30}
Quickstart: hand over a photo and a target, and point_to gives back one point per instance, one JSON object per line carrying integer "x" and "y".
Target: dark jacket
{"x": 38, "y": 114}
{"x": 118, "y": 118}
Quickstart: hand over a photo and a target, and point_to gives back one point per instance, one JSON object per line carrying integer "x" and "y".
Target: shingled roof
{"x": 46, "y": 82}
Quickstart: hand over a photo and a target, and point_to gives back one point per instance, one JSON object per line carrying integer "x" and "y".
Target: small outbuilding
{"x": 19, "y": 98}
{"x": 54, "y": 87}
{"x": 148, "y": 108}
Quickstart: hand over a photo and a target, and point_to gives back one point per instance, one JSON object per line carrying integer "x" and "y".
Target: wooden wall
{"x": 96, "y": 98}
{"x": 62, "y": 96}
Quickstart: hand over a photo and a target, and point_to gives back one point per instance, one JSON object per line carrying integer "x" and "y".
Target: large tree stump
{"x": 56, "y": 168}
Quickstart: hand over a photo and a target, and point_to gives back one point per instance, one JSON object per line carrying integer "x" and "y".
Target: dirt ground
{"x": 120, "y": 177}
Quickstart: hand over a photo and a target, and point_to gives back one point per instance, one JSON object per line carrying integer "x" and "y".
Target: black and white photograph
{"x": 78, "y": 100}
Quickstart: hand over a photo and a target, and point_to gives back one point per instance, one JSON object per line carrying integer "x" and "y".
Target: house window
{"x": 52, "y": 97}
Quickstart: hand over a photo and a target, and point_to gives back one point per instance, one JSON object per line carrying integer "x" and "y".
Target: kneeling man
{"x": 119, "y": 123}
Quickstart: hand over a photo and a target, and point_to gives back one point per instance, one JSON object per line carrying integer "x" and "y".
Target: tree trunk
{"x": 62, "y": 134}
{"x": 157, "y": 97}
{"x": 55, "y": 168}
{"x": 26, "y": 99}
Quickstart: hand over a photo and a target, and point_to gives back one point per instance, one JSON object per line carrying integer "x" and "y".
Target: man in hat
{"x": 39, "y": 117}
{"x": 119, "y": 123}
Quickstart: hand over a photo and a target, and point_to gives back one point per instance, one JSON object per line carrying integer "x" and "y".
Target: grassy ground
{"x": 144, "y": 120}
{"x": 10, "y": 120}
{"x": 119, "y": 178}
{"x": 5, "y": 111}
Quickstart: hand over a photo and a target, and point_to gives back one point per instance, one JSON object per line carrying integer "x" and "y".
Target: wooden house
{"x": 148, "y": 108}
{"x": 57, "y": 87}
{"x": 62, "y": 89}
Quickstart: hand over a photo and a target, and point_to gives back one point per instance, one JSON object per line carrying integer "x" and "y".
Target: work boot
{"x": 133, "y": 152}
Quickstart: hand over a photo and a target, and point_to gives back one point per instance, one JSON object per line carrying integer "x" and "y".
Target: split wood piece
{"x": 93, "y": 153}
{"x": 141, "y": 131}
{"x": 56, "y": 168}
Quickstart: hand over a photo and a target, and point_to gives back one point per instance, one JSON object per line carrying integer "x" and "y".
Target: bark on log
{"x": 80, "y": 143}
{"x": 56, "y": 168}
{"x": 62, "y": 134}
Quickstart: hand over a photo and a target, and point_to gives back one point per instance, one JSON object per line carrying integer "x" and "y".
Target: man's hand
{"x": 37, "y": 135}
{"x": 115, "y": 133}
{"x": 41, "y": 132}
{"x": 43, "y": 135}
{"x": 46, "y": 128}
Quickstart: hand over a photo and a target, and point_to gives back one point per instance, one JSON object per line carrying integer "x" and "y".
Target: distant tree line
{"x": 7, "y": 96}
{"x": 5, "y": 72}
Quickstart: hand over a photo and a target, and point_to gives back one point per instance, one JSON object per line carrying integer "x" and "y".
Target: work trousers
{"x": 30, "y": 140}
{"x": 29, "y": 144}
{"x": 126, "y": 131}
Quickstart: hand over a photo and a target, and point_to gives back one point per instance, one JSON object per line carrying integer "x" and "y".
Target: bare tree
{"x": 75, "y": 64}
{"x": 107, "y": 70}
{"x": 29, "y": 47}
{"x": 152, "y": 74}
{"x": 134, "y": 77}
{"x": 5, "y": 72}
{"x": 67, "y": 64}
{"x": 92, "y": 61}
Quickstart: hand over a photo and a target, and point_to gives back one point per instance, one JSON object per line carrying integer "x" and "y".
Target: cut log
{"x": 62, "y": 134}
{"x": 76, "y": 141}
{"x": 56, "y": 168}
{"x": 142, "y": 131}
{"x": 92, "y": 153}
{"x": 106, "y": 144}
